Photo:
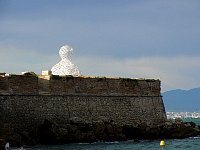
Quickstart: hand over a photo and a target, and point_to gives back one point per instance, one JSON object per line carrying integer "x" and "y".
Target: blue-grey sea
{"x": 183, "y": 144}
{"x": 192, "y": 143}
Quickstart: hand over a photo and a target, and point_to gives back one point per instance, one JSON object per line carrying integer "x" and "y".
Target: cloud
{"x": 118, "y": 29}
{"x": 16, "y": 60}
{"x": 175, "y": 72}
{"x": 139, "y": 39}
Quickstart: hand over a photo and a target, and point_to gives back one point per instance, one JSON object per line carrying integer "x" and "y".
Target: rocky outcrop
{"x": 66, "y": 109}
{"x": 79, "y": 131}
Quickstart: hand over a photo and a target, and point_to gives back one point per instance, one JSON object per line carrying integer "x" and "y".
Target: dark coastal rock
{"x": 168, "y": 130}
{"x": 78, "y": 131}
{"x": 2, "y": 144}
{"x": 46, "y": 132}
{"x": 179, "y": 130}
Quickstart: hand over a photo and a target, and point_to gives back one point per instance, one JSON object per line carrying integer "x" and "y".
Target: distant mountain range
{"x": 182, "y": 100}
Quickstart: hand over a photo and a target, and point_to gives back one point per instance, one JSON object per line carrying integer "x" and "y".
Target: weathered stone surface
{"x": 2, "y": 144}
{"x": 25, "y": 111}
{"x": 65, "y": 85}
{"x": 55, "y": 109}
{"x": 50, "y": 133}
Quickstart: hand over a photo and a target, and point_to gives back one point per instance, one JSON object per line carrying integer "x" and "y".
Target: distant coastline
{"x": 182, "y": 100}
{"x": 182, "y": 115}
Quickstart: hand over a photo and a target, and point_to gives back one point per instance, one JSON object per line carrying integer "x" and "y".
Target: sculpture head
{"x": 65, "y": 52}
{"x": 65, "y": 66}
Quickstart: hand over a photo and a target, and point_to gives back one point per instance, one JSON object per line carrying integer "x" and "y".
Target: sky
{"x": 157, "y": 39}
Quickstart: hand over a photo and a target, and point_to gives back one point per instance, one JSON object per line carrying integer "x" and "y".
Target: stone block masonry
{"x": 69, "y": 85}
{"x": 122, "y": 100}
{"x": 50, "y": 109}
{"x": 27, "y": 100}
{"x": 25, "y": 112}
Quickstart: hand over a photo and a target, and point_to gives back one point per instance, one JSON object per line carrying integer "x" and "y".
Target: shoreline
{"x": 72, "y": 145}
{"x": 49, "y": 133}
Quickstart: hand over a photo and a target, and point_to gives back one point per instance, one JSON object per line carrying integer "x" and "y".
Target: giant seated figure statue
{"x": 65, "y": 66}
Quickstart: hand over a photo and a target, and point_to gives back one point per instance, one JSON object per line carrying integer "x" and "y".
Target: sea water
{"x": 175, "y": 144}
{"x": 192, "y": 143}
{"x": 195, "y": 120}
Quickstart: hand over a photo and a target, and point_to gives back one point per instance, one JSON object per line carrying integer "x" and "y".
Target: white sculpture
{"x": 65, "y": 66}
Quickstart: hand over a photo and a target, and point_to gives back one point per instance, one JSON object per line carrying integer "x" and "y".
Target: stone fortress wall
{"x": 27, "y": 100}
{"x": 69, "y": 85}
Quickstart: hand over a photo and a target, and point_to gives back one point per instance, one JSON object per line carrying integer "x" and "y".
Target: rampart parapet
{"x": 69, "y": 85}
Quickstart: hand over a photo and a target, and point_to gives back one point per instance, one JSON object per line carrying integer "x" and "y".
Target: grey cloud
{"x": 175, "y": 72}
{"x": 150, "y": 39}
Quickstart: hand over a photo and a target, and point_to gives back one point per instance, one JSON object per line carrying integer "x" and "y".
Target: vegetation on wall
{"x": 30, "y": 74}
